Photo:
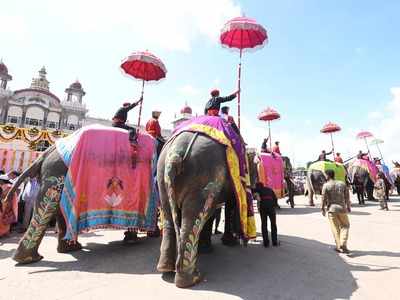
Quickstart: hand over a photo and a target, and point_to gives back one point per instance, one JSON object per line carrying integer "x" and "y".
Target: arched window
{"x": 14, "y": 115}
{"x": 52, "y": 120}
{"x": 34, "y": 117}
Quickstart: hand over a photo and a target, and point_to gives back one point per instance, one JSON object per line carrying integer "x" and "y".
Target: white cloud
{"x": 375, "y": 115}
{"x": 388, "y": 128}
{"x": 172, "y": 24}
{"x": 188, "y": 90}
{"x": 13, "y": 27}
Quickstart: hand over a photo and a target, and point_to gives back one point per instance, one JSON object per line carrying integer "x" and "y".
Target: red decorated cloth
{"x": 153, "y": 128}
{"x": 276, "y": 150}
{"x": 213, "y": 112}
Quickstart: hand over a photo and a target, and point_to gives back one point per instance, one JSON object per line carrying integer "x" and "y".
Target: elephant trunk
{"x": 32, "y": 171}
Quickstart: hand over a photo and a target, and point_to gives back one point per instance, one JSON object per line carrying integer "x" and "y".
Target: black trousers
{"x": 217, "y": 217}
{"x": 267, "y": 210}
{"x": 131, "y": 130}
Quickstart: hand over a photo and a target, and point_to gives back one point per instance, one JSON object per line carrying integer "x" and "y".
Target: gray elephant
{"x": 316, "y": 177}
{"x": 51, "y": 170}
{"x": 361, "y": 179}
{"x": 193, "y": 180}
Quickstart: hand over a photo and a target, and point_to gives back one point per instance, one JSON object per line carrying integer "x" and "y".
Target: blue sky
{"x": 325, "y": 61}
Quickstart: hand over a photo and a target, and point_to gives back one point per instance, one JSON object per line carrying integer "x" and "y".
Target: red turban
{"x": 215, "y": 93}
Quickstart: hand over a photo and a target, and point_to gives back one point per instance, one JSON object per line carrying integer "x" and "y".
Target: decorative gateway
{"x": 12, "y": 159}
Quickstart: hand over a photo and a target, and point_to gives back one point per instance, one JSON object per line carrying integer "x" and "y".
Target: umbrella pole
{"x": 140, "y": 107}
{"x": 333, "y": 146}
{"x": 380, "y": 153}
{"x": 366, "y": 144}
{"x": 269, "y": 134}
{"x": 239, "y": 77}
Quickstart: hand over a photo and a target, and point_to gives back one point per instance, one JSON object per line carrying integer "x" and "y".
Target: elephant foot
{"x": 185, "y": 280}
{"x": 166, "y": 267}
{"x": 27, "y": 259}
{"x": 67, "y": 246}
{"x": 229, "y": 240}
{"x": 130, "y": 237}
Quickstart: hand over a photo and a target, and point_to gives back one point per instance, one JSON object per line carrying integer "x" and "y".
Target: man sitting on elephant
{"x": 213, "y": 105}
{"x": 322, "y": 156}
{"x": 121, "y": 116}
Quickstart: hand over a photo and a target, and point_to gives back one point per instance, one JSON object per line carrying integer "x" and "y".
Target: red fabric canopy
{"x": 144, "y": 66}
{"x": 364, "y": 134}
{"x": 330, "y": 128}
{"x": 242, "y": 33}
{"x": 269, "y": 114}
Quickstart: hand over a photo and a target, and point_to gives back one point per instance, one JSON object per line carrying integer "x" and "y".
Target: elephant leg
{"x": 45, "y": 210}
{"x": 205, "y": 237}
{"x": 167, "y": 260}
{"x": 195, "y": 213}
{"x": 64, "y": 246}
{"x": 311, "y": 197}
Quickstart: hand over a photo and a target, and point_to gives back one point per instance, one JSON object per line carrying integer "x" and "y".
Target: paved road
{"x": 304, "y": 267}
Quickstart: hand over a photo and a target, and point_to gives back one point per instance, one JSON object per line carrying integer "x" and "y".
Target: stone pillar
{"x": 46, "y": 113}
{"x": 22, "y": 122}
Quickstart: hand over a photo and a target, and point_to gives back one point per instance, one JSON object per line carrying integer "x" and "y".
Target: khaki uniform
{"x": 380, "y": 193}
{"x": 335, "y": 196}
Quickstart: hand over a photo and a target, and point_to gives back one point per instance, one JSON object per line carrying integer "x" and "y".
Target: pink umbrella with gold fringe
{"x": 144, "y": 66}
{"x": 242, "y": 33}
{"x": 267, "y": 115}
{"x": 363, "y": 135}
{"x": 330, "y": 128}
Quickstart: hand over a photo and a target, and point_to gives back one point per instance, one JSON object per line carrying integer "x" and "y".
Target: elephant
{"x": 288, "y": 169}
{"x": 316, "y": 178}
{"x": 51, "y": 171}
{"x": 193, "y": 180}
{"x": 361, "y": 179}
{"x": 314, "y": 181}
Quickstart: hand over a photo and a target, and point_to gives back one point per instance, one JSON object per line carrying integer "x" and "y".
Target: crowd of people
{"x": 19, "y": 216}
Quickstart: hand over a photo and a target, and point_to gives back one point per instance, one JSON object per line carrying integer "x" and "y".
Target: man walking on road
{"x": 336, "y": 200}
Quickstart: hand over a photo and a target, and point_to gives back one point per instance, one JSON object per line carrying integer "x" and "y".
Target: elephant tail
{"x": 173, "y": 168}
{"x": 32, "y": 171}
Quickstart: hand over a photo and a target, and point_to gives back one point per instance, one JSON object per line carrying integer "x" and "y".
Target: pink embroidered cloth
{"x": 271, "y": 172}
{"x": 101, "y": 188}
{"x": 367, "y": 165}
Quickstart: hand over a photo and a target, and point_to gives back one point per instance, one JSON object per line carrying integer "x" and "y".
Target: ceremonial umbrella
{"x": 242, "y": 33}
{"x": 363, "y": 135}
{"x": 377, "y": 142}
{"x": 331, "y": 128}
{"x": 269, "y": 115}
{"x": 145, "y": 67}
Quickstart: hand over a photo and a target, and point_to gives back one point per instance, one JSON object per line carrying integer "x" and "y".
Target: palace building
{"x": 33, "y": 118}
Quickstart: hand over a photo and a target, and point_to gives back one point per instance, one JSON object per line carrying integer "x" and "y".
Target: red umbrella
{"x": 331, "y": 128}
{"x": 242, "y": 33}
{"x": 144, "y": 66}
{"x": 364, "y": 135}
{"x": 269, "y": 115}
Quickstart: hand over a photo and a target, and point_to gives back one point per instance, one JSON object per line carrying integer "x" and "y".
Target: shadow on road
{"x": 298, "y": 269}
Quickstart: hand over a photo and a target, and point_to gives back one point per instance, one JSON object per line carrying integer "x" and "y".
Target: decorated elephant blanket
{"x": 340, "y": 171}
{"x": 102, "y": 189}
{"x": 385, "y": 170}
{"x": 367, "y": 165}
{"x": 220, "y": 131}
{"x": 271, "y": 172}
